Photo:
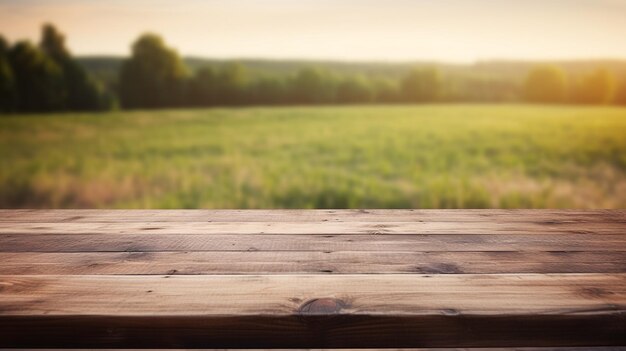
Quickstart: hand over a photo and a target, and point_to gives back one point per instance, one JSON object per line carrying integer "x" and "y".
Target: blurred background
{"x": 313, "y": 104}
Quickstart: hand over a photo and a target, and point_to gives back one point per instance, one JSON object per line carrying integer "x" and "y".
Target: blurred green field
{"x": 434, "y": 156}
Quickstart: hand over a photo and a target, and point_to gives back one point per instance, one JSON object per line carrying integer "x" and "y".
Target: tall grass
{"x": 437, "y": 156}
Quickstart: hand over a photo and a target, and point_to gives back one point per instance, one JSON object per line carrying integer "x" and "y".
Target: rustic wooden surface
{"x": 312, "y": 278}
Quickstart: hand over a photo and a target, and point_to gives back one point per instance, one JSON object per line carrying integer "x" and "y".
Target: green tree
{"x": 422, "y": 85}
{"x": 386, "y": 90}
{"x": 83, "y": 92}
{"x": 598, "y": 87}
{"x": 620, "y": 93}
{"x": 38, "y": 79}
{"x": 312, "y": 86}
{"x": 4, "y": 46}
{"x": 7, "y": 80}
{"x": 53, "y": 43}
{"x": 355, "y": 89}
{"x": 203, "y": 87}
{"x": 154, "y": 76}
{"x": 545, "y": 84}
{"x": 232, "y": 84}
{"x": 268, "y": 90}
{"x": 487, "y": 88}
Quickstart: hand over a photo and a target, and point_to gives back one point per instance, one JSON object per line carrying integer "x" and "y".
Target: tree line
{"x": 155, "y": 76}
{"x": 45, "y": 77}
{"x": 550, "y": 84}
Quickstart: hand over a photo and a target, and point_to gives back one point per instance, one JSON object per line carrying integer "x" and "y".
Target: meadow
{"x": 401, "y": 156}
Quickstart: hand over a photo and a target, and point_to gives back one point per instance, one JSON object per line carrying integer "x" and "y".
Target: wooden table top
{"x": 312, "y": 278}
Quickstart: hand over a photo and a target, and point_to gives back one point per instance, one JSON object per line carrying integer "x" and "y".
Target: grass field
{"x": 456, "y": 156}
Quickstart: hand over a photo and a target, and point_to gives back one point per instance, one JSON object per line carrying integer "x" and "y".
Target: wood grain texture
{"x": 312, "y": 278}
{"x": 313, "y": 310}
{"x": 482, "y": 294}
{"x": 298, "y": 262}
{"x": 332, "y": 228}
{"x": 492, "y": 215}
{"x": 301, "y": 242}
{"x": 378, "y": 331}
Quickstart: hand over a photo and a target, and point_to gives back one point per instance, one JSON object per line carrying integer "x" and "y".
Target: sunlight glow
{"x": 448, "y": 30}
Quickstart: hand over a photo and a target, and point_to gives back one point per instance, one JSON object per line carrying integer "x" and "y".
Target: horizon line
{"x": 376, "y": 61}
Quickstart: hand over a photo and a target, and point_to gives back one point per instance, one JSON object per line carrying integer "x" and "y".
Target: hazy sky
{"x": 448, "y": 30}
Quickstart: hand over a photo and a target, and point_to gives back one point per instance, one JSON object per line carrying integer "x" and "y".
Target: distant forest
{"x": 46, "y": 77}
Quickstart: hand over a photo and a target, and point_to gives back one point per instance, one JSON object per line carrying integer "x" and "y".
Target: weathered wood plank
{"x": 313, "y": 310}
{"x": 244, "y": 242}
{"x": 290, "y": 228}
{"x": 302, "y": 262}
{"x": 237, "y": 295}
{"x": 492, "y": 215}
{"x": 324, "y": 278}
{"x": 372, "y": 331}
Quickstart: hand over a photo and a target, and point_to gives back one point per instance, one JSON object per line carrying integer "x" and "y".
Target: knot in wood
{"x": 321, "y": 306}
